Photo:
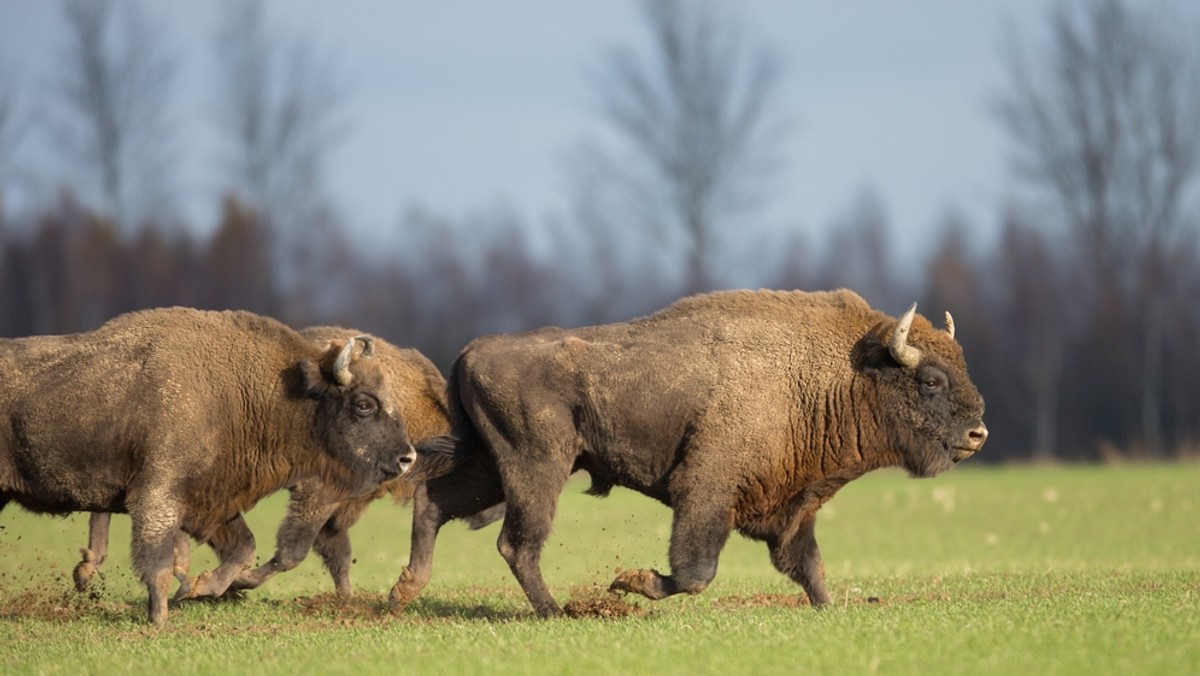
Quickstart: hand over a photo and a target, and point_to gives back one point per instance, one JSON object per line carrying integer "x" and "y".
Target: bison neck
{"x": 836, "y": 437}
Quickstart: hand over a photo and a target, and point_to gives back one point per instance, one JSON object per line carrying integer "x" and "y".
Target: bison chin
{"x": 359, "y": 472}
{"x": 931, "y": 459}
{"x": 931, "y": 462}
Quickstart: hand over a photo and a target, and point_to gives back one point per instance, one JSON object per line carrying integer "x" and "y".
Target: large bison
{"x": 184, "y": 419}
{"x": 418, "y": 391}
{"x": 740, "y": 410}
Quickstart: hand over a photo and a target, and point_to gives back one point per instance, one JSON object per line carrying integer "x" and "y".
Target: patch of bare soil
{"x": 780, "y": 601}
{"x": 64, "y": 606}
{"x": 762, "y": 601}
{"x": 343, "y": 610}
{"x": 598, "y": 602}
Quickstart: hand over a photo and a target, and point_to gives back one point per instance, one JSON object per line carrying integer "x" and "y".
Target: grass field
{"x": 1015, "y": 570}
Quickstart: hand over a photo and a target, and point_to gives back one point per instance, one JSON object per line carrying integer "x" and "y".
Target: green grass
{"x": 1039, "y": 570}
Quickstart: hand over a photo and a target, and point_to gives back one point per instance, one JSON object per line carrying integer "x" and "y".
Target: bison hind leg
{"x": 700, "y": 528}
{"x": 529, "y": 515}
{"x": 655, "y": 586}
{"x": 85, "y": 569}
{"x": 96, "y": 551}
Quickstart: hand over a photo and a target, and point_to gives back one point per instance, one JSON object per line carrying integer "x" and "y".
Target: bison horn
{"x": 368, "y": 345}
{"x": 341, "y": 366}
{"x": 901, "y": 351}
{"x": 949, "y": 323}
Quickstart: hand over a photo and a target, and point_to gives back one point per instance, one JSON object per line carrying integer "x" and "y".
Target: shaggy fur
{"x": 418, "y": 391}
{"x": 184, "y": 419}
{"x": 739, "y": 410}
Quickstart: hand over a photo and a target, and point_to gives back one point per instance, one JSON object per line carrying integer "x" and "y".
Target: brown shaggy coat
{"x": 417, "y": 389}
{"x": 740, "y": 410}
{"x": 184, "y": 419}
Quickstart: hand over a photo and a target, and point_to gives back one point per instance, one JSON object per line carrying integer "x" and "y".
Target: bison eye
{"x": 365, "y": 407}
{"x": 933, "y": 380}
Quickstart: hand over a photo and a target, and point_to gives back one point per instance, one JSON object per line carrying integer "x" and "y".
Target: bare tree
{"x": 1108, "y": 127}
{"x": 1031, "y": 306}
{"x": 116, "y": 81}
{"x": 697, "y": 129}
{"x": 14, "y": 117}
{"x": 859, "y": 253}
{"x": 278, "y": 105}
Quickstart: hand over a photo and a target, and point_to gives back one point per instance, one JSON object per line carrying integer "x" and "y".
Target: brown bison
{"x": 416, "y": 388}
{"x": 740, "y": 410}
{"x": 184, "y": 419}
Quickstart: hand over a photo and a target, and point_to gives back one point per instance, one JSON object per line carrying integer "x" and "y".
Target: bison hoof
{"x": 404, "y": 591}
{"x": 399, "y": 598}
{"x": 637, "y": 581}
{"x": 197, "y": 588}
{"x": 83, "y": 575}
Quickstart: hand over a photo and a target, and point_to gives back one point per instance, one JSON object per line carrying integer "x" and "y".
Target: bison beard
{"x": 739, "y": 410}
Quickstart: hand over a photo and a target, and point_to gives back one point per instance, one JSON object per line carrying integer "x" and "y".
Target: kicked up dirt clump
{"x": 601, "y": 603}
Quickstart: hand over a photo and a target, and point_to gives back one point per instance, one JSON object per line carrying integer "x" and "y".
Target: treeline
{"x": 1060, "y": 355}
{"x": 1080, "y": 319}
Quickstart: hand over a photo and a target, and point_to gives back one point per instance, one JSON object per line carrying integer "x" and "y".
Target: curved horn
{"x": 368, "y": 345}
{"x": 901, "y": 351}
{"x": 341, "y": 365}
{"x": 949, "y": 323}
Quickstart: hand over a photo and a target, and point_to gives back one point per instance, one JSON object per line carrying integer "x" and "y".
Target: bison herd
{"x": 739, "y": 410}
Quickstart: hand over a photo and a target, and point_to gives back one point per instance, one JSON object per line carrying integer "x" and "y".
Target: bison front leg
{"x": 333, "y": 543}
{"x": 799, "y": 557}
{"x": 307, "y": 513}
{"x": 234, "y": 544}
{"x": 152, "y": 542}
{"x": 462, "y": 493}
{"x": 699, "y": 531}
{"x": 428, "y": 519}
{"x": 96, "y": 552}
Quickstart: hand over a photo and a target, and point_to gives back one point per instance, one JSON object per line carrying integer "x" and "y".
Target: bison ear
{"x": 316, "y": 377}
{"x": 872, "y": 352}
{"x": 312, "y": 382}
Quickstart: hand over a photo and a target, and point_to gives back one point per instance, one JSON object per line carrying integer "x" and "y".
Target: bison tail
{"x": 436, "y": 457}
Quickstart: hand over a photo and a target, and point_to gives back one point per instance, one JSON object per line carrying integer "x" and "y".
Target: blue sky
{"x": 466, "y": 106}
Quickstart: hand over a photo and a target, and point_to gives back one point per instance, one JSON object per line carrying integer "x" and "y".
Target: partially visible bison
{"x": 740, "y": 410}
{"x": 184, "y": 419}
{"x": 417, "y": 390}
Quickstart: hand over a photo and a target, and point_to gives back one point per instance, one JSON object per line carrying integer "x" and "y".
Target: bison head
{"x": 931, "y": 413}
{"x": 356, "y": 421}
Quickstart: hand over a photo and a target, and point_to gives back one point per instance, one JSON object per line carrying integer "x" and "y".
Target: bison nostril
{"x": 977, "y": 436}
{"x": 409, "y": 456}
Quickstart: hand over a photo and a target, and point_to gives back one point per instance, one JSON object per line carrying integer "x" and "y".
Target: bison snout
{"x": 971, "y": 442}
{"x": 976, "y": 436}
